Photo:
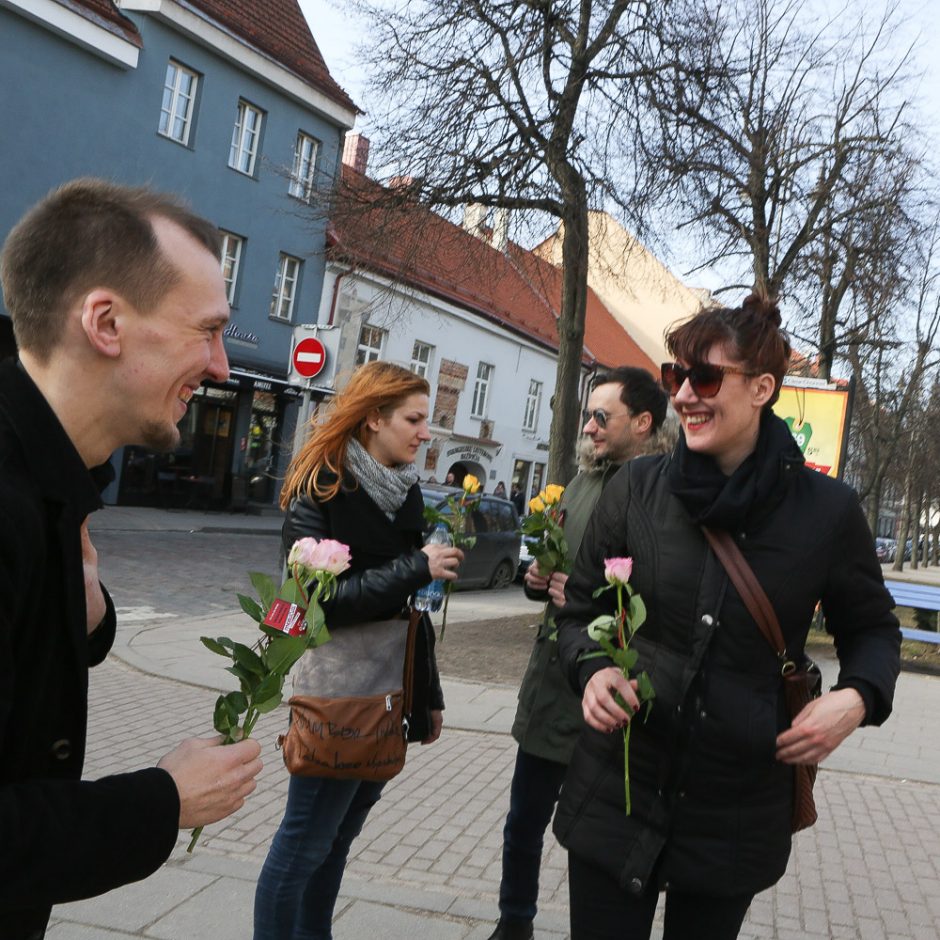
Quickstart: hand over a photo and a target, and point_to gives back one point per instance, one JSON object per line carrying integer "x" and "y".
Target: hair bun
{"x": 760, "y": 305}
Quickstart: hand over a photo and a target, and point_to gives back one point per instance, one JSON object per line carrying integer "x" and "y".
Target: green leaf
{"x": 637, "y": 613}
{"x": 270, "y": 685}
{"x": 644, "y": 688}
{"x": 224, "y": 718}
{"x": 602, "y": 627}
{"x": 318, "y": 637}
{"x": 250, "y": 606}
{"x": 238, "y": 702}
{"x": 283, "y": 652}
{"x": 291, "y": 592}
{"x": 265, "y": 586}
{"x": 247, "y": 679}
{"x": 213, "y": 645}
{"x": 594, "y": 654}
{"x": 625, "y": 659}
{"x": 249, "y": 659}
{"x": 601, "y": 590}
{"x": 269, "y": 704}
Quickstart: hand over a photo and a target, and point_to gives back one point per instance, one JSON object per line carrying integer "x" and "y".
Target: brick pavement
{"x": 427, "y": 862}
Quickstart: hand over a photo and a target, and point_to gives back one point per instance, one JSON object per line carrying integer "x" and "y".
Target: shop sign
{"x": 241, "y": 337}
{"x": 469, "y": 452}
{"x": 817, "y": 419}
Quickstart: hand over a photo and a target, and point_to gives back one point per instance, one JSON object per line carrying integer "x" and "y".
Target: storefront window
{"x": 261, "y": 447}
{"x": 193, "y": 475}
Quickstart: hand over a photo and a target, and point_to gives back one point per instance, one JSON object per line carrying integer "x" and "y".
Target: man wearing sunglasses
{"x": 623, "y": 419}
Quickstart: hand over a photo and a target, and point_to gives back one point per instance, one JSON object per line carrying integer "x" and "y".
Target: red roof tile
{"x": 410, "y": 244}
{"x": 278, "y": 28}
{"x": 105, "y": 14}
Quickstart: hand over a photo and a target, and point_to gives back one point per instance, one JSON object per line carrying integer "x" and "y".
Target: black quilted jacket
{"x": 711, "y": 805}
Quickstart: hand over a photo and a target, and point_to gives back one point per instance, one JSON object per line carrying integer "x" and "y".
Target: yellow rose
{"x": 552, "y": 494}
{"x": 471, "y": 484}
{"x": 536, "y": 504}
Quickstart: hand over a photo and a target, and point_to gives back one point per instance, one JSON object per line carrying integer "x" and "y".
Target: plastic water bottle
{"x": 431, "y": 596}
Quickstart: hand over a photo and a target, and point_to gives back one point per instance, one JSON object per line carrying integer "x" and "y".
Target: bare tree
{"x": 785, "y": 151}
{"x": 519, "y": 105}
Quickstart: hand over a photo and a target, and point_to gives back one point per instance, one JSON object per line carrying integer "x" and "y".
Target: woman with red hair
{"x": 355, "y": 480}
{"x": 712, "y": 767}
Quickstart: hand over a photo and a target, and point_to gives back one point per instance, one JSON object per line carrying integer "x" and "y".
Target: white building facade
{"x": 491, "y": 386}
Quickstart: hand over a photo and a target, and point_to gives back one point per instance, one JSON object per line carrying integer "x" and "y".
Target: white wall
{"x": 457, "y": 335}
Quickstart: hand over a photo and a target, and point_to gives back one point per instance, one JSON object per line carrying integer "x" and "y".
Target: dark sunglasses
{"x": 601, "y": 417}
{"x": 705, "y": 378}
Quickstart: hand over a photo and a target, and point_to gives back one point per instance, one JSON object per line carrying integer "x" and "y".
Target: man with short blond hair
{"x": 118, "y": 307}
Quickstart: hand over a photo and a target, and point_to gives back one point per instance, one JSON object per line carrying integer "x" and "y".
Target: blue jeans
{"x": 300, "y": 880}
{"x": 536, "y": 783}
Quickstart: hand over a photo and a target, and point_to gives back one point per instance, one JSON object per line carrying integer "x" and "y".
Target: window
{"x": 231, "y": 258}
{"x": 179, "y": 95}
{"x": 421, "y": 359}
{"x": 533, "y": 402}
{"x": 285, "y": 287}
{"x": 481, "y": 390}
{"x": 371, "y": 340}
{"x": 245, "y": 137}
{"x": 305, "y": 160}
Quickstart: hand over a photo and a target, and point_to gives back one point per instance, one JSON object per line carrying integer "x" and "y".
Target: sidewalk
{"x": 427, "y": 863}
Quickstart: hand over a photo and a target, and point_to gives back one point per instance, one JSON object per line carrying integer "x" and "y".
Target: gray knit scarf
{"x": 387, "y": 486}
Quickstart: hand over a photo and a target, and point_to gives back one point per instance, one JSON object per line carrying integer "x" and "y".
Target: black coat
{"x": 60, "y": 839}
{"x": 386, "y": 568}
{"x": 711, "y": 805}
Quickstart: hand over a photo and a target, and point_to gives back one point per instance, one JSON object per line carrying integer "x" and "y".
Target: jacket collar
{"x": 48, "y": 453}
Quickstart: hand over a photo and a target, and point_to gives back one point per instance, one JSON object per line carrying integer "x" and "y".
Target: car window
{"x": 506, "y": 517}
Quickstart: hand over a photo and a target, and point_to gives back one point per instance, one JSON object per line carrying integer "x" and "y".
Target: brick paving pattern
{"x": 427, "y": 863}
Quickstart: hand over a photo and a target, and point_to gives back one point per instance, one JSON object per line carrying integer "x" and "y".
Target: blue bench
{"x": 910, "y": 594}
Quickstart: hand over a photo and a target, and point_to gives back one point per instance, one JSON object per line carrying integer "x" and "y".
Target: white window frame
{"x": 285, "y": 287}
{"x": 232, "y": 245}
{"x": 533, "y": 404}
{"x": 304, "y": 168}
{"x": 177, "y": 104}
{"x": 246, "y": 135}
{"x": 421, "y": 365}
{"x": 368, "y": 350}
{"x": 481, "y": 390}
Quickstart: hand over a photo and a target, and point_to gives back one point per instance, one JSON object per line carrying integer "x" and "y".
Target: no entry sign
{"x": 309, "y": 357}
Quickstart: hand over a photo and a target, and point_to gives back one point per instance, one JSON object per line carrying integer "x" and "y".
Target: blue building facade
{"x": 179, "y": 97}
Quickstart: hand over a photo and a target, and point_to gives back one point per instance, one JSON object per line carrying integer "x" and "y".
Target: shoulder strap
{"x": 753, "y": 595}
{"x": 414, "y": 617}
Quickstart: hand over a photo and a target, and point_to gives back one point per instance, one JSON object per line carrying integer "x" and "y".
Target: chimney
{"x": 474, "y": 219}
{"x": 356, "y": 152}
{"x": 501, "y": 229}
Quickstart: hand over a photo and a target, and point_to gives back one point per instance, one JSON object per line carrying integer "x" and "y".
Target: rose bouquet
{"x": 614, "y": 632}
{"x": 544, "y": 521}
{"x": 457, "y": 521}
{"x": 291, "y": 621}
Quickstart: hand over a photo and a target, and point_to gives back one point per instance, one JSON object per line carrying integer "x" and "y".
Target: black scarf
{"x": 737, "y": 502}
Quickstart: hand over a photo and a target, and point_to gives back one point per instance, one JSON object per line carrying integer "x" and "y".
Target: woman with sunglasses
{"x": 711, "y": 769}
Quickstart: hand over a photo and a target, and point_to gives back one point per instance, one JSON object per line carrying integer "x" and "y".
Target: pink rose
{"x": 618, "y": 570}
{"x": 325, "y": 555}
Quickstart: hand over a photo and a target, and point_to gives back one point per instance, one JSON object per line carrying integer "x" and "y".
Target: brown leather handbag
{"x": 801, "y": 684}
{"x": 357, "y": 729}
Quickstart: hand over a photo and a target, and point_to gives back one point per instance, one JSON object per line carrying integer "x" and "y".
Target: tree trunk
{"x": 565, "y": 411}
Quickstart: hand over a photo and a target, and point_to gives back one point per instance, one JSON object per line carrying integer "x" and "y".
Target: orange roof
{"x": 412, "y": 245}
{"x": 278, "y": 28}
{"x": 106, "y": 15}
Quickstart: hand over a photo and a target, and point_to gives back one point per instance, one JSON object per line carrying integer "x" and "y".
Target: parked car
{"x": 885, "y": 549}
{"x": 493, "y": 560}
{"x": 525, "y": 556}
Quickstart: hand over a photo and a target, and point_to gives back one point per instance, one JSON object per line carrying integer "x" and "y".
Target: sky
{"x": 337, "y": 33}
